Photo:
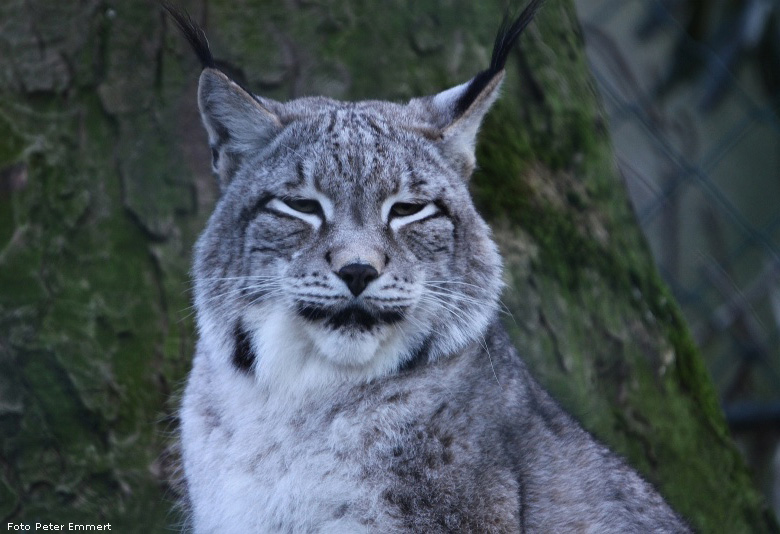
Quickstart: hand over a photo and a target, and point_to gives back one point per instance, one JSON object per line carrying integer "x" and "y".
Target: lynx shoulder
{"x": 351, "y": 374}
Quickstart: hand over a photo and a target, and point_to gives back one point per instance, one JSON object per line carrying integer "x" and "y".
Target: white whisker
{"x": 457, "y": 312}
{"x": 440, "y": 284}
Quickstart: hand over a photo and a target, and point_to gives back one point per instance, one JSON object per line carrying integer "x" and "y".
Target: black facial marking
{"x": 243, "y": 355}
{"x": 248, "y": 214}
{"x": 349, "y": 317}
{"x": 416, "y": 182}
{"x": 442, "y": 208}
{"x": 264, "y": 250}
{"x": 312, "y": 313}
{"x": 357, "y": 213}
{"x": 419, "y": 357}
{"x": 300, "y": 172}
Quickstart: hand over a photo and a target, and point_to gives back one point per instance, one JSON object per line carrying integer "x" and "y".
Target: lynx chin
{"x": 351, "y": 374}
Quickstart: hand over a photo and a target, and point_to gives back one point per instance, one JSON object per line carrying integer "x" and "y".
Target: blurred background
{"x": 691, "y": 91}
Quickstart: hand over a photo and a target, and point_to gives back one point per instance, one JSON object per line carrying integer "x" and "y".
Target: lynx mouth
{"x": 350, "y": 317}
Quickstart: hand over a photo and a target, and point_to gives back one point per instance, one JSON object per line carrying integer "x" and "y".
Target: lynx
{"x": 351, "y": 374}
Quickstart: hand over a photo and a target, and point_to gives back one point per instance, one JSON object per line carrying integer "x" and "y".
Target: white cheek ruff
{"x": 427, "y": 211}
{"x": 279, "y": 206}
{"x": 295, "y": 358}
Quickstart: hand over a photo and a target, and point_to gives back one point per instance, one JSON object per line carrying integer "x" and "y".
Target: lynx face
{"x": 346, "y": 244}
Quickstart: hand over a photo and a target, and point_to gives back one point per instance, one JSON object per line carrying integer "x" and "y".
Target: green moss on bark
{"x": 597, "y": 324}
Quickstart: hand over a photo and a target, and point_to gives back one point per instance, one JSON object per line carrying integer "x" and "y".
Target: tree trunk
{"x": 105, "y": 183}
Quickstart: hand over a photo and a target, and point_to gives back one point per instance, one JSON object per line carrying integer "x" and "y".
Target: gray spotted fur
{"x": 404, "y": 408}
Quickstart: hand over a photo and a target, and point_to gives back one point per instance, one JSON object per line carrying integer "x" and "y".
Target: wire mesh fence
{"x": 691, "y": 91}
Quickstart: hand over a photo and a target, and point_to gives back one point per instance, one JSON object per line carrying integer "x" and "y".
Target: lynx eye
{"x": 303, "y": 205}
{"x": 405, "y": 209}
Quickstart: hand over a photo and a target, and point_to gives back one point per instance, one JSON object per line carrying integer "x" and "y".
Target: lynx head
{"x": 345, "y": 242}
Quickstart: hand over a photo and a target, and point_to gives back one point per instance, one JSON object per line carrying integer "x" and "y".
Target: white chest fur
{"x": 258, "y": 461}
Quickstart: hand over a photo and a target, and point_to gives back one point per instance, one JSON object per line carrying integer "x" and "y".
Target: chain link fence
{"x": 691, "y": 89}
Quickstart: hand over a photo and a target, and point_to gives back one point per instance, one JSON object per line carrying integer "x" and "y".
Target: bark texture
{"x": 105, "y": 183}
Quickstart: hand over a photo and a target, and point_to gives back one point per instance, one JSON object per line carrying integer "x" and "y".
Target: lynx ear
{"x": 458, "y": 120}
{"x": 458, "y": 112}
{"x": 237, "y": 122}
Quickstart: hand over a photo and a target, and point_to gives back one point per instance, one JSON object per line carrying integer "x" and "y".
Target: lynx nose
{"x": 357, "y": 276}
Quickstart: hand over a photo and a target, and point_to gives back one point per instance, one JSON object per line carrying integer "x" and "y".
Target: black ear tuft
{"x": 193, "y": 33}
{"x": 505, "y": 40}
{"x": 508, "y": 34}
